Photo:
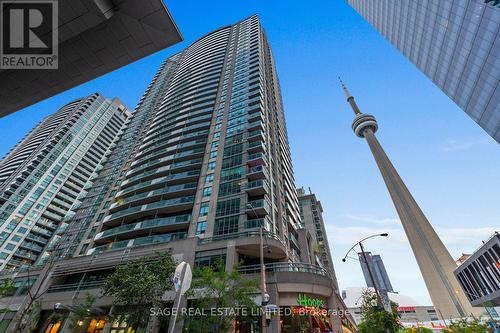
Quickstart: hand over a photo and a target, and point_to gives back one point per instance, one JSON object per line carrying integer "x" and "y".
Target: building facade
{"x": 378, "y": 268}
{"x": 479, "y": 274}
{"x": 94, "y": 38}
{"x": 456, "y": 44}
{"x": 43, "y": 177}
{"x": 202, "y": 166}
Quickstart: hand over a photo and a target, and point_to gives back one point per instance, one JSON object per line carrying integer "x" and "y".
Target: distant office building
{"x": 313, "y": 225}
{"x": 311, "y": 213}
{"x": 479, "y": 274}
{"x": 454, "y": 43}
{"x": 378, "y": 269}
{"x": 202, "y": 166}
{"x": 45, "y": 175}
{"x": 95, "y": 38}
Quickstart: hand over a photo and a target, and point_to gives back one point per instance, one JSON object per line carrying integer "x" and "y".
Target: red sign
{"x": 406, "y": 308}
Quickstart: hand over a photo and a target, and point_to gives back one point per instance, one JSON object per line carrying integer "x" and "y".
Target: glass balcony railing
{"x": 164, "y": 169}
{"x": 256, "y": 204}
{"x": 163, "y": 238}
{"x": 160, "y": 180}
{"x": 155, "y": 193}
{"x": 148, "y": 224}
{"x": 250, "y": 233}
{"x": 285, "y": 267}
{"x": 257, "y": 223}
{"x": 151, "y": 206}
{"x": 167, "y": 151}
{"x": 258, "y": 183}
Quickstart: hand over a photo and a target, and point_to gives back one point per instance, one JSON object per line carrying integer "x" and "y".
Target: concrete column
{"x": 231, "y": 255}
{"x": 335, "y": 319}
{"x": 274, "y": 298}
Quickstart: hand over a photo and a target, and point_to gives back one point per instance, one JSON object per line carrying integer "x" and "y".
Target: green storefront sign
{"x": 303, "y": 300}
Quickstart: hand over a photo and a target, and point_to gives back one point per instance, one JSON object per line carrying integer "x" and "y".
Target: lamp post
{"x": 263, "y": 291}
{"x": 360, "y": 243}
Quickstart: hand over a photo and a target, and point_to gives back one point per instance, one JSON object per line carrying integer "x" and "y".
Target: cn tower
{"x": 434, "y": 260}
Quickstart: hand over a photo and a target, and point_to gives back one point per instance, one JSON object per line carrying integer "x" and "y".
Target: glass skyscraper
{"x": 202, "y": 165}
{"x": 454, "y": 43}
{"x": 43, "y": 177}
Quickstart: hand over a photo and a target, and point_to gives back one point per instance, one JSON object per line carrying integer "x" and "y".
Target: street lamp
{"x": 263, "y": 291}
{"x": 360, "y": 243}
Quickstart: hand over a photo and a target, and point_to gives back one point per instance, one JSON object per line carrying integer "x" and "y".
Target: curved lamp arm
{"x": 385, "y": 234}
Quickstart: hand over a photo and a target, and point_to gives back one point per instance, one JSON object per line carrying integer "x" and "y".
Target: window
{"x": 10, "y": 247}
{"x": 213, "y": 154}
{"x": 207, "y": 191}
{"x": 209, "y": 178}
{"x": 211, "y": 166}
{"x": 204, "y": 209}
{"x": 226, "y": 225}
{"x": 215, "y": 144}
{"x": 229, "y": 188}
{"x": 201, "y": 227}
{"x": 205, "y": 261}
{"x": 228, "y": 207}
{"x": 230, "y": 174}
{"x": 232, "y": 161}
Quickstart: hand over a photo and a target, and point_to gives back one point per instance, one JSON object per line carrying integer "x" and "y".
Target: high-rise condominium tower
{"x": 379, "y": 273}
{"x": 43, "y": 177}
{"x": 203, "y": 164}
{"x": 454, "y": 43}
{"x": 434, "y": 260}
{"x": 311, "y": 214}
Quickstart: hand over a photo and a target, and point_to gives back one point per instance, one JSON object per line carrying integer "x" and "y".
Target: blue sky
{"x": 448, "y": 162}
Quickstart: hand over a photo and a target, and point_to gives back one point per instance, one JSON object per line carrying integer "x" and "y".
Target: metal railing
{"x": 252, "y": 233}
{"x": 74, "y": 286}
{"x": 285, "y": 267}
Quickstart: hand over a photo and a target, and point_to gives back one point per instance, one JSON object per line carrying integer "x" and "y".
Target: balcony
{"x": 257, "y": 187}
{"x": 256, "y": 146}
{"x": 285, "y": 267}
{"x": 168, "y": 151}
{"x": 255, "y": 135}
{"x": 164, "y": 238}
{"x": 256, "y": 125}
{"x": 256, "y": 172}
{"x": 149, "y": 160}
{"x": 158, "y": 172}
{"x": 74, "y": 286}
{"x": 178, "y": 167}
{"x": 160, "y": 182}
{"x": 162, "y": 207}
{"x": 156, "y": 225}
{"x": 147, "y": 197}
{"x": 257, "y": 223}
{"x": 258, "y": 207}
{"x": 165, "y": 160}
{"x": 248, "y": 243}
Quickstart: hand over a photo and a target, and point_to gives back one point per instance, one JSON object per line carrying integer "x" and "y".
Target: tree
{"x": 228, "y": 292}
{"x": 81, "y": 315}
{"x": 374, "y": 319}
{"x": 137, "y": 286}
{"x": 468, "y": 326}
{"x": 7, "y": 289}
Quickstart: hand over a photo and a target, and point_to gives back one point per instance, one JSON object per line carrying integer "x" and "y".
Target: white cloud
{"x": 372, "y": 219}
{"x": 465, "y": 237}
{"x": 452, "y": 145}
